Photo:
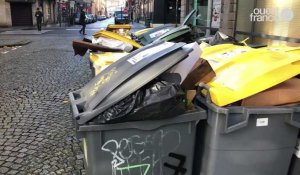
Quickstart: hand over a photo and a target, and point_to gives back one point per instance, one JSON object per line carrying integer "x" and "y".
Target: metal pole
{"x": 148, "y": 7}
{"x": 195, "y": 7}
{"x": 176, "y": 13}
{"x": 106, "y": 13}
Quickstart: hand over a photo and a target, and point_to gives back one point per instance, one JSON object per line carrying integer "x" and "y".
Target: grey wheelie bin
{"x": 142, "y": 146}
{"x": 295, "y": 163}
{"x": 247, "y": 141}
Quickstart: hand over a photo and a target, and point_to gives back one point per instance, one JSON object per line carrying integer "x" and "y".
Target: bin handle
{"x": 294, "y": 119}
{"x": 229, "y": 126}
{"x": 243, "y": 122}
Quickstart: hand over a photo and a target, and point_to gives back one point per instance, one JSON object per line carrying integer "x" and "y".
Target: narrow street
{"x": 37, "y": 134}
{"x": 202, "y": 87}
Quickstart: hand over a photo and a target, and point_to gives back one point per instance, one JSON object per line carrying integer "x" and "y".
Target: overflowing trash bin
{"x": 118, "y": 39}
{"x": 122, "y": 29}
{"x": 132, "y": 117}
{"x": 248, "y": 109}
{"x": 253, "y": 112}
{"x": 248, "y": 140}
{"x": 149, "y": 36}
{"x": 141, "y": 147}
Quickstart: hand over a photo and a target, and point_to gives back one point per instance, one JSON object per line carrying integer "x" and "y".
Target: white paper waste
{"x": 111, "y": 43}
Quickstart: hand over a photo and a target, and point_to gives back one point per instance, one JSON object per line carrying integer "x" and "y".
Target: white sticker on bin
{"x": 262, "y": 122}
{"x": 144, "y": 54}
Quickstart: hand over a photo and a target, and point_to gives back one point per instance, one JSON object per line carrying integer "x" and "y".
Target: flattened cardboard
{"x": 285, "y": 93}
{"x": 202, "y": 72}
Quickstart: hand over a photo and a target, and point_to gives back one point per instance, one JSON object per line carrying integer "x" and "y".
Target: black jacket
{"x": 82, "y": 17}
{"x": 38, "y": 15}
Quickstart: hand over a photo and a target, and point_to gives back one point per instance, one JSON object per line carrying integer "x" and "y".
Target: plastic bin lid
{"x": 132, "y": 84}
{"x": 147, "y": 125}
{"x": 113, "y": 76}
{"x": 165, "y": 59}
{"x": 242, "y": 71}
{"x": 172, "y": 34}
{"x": 154, "y": 33}
{"x": 178, "y": 31}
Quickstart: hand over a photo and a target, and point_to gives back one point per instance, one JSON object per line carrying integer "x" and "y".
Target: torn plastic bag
{"x": 221, "y": 38}
{"x": 157, "y": 100}
{"x": 112, "y": 43}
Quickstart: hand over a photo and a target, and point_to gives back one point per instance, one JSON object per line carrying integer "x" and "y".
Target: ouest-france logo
{"x": 271, "y": 14}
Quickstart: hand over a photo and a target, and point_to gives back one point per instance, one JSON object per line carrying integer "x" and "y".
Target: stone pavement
{"x": 36, "y": 129}
{"x": 13, "y": 42}
{"x": 24, "y": 32}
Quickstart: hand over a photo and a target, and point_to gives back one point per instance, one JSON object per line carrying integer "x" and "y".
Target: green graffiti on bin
{"x": 136, "y": 166}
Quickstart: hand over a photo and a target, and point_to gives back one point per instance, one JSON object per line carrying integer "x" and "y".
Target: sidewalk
{"x": 23, "y": 30}
{"x": 3, "y": 29}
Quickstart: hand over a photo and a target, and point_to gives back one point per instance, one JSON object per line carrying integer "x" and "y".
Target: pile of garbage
{"x": 234, "y": 73}
{"x": 257, "y": 77}
{"x": 180, "y": 79}
{"x": 106, "y": 46}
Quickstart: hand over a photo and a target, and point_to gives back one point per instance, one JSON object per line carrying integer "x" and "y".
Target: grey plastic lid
{"x": 178, "y": 31}
{"x": 194, "y": 115}
{"x": 188, "y": 17}
{"x": 172, "y": 34}
{"x": 100, "y": 86}
{"x": 154, "y": 33}
{"x": 163, "y": 63}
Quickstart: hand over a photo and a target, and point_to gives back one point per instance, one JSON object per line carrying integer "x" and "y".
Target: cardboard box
{"x": 286, "y": 93}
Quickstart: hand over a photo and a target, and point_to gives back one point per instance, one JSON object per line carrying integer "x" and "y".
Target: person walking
{"x": 39, "y": 16}
{"x": 82, "y": 22}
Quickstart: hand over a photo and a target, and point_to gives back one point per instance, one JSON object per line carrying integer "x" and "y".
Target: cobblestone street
{"x": 37, "y": 134}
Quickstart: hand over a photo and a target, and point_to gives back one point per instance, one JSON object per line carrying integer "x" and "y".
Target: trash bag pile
{"x": 130, "y": 83}
{"x": 146, "y": 84}
{"x": 157, "y": 100}
{"x": 156, "y": 78}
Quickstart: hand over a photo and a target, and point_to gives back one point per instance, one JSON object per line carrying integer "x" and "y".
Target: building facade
{"x": 270, "y": 22}
{"x": 157, "y": 11}
{"x": 275, "y": 22}
{"x": 99, "y": 7}
{"x": 21, "y": 12}
{"x": 114, "y": 5}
